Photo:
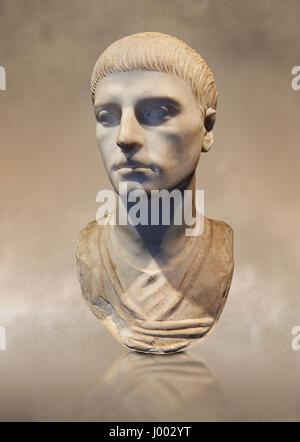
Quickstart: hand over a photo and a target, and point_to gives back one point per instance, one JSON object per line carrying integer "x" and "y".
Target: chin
{"x": 137, "y": 184}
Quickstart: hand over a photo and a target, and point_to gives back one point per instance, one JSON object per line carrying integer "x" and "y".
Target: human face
{"x": 149, "y": 129}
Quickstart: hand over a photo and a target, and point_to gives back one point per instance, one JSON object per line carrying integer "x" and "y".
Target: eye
{"x": 157, "y": 114}
{"x": 108, "y": 118}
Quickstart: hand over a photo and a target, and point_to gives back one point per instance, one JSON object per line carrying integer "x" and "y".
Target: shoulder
{"x": 89, "y": 230}
{"x": 220, "y": 229}
{"x": 87, "y": 244}
{"x": 222, "y": 244}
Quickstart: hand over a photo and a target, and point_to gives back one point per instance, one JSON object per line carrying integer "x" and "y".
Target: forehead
{"x": 132, "y": 86}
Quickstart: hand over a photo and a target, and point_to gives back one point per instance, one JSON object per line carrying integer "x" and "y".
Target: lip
{"x": 133, "y": 165}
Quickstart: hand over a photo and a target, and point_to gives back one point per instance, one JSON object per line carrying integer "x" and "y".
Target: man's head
{"x": 155, "y": 103}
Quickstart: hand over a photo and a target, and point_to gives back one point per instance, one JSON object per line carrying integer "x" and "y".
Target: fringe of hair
{"x": 154, "y": 51}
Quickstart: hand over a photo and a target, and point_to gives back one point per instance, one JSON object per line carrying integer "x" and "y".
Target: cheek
{"x": 176, "y": 146}
{"x": 193, "y": 141}
{"x": 105, "y": 139}
{"x": 103, "y": 136}
{"x": 192, "y": 137}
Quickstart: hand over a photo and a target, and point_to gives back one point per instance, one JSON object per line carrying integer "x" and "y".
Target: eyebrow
{"x": 142, "y": 102}
{"x": 160, "y": 100}
{"x": 106, "y": 105}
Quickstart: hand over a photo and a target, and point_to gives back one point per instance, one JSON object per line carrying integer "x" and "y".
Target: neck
{"x": 155, "y": 245}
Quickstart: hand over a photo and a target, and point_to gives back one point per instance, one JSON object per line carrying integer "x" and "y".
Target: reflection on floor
{"x": 155, "y": 387}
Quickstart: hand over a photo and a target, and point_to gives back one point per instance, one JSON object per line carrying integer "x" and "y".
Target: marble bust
{"x": 156, "y": 289}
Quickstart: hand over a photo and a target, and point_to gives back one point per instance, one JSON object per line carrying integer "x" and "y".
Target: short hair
{"x": 155, "y": 51}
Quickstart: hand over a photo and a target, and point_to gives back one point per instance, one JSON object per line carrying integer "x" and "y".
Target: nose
{"x": 130, "y": 131}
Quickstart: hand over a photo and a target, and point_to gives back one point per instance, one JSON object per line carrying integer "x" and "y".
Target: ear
{"x": 209, "y": 121}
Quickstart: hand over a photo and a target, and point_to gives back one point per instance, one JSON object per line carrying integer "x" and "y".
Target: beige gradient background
{"x": 61, "y": 363}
